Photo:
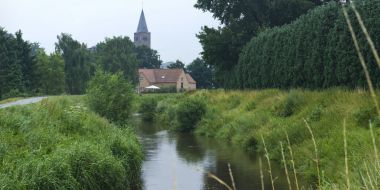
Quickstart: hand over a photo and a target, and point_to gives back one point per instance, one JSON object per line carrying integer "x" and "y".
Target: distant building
{"x": 166, "y": 78}
{"x": 142, "y": 35}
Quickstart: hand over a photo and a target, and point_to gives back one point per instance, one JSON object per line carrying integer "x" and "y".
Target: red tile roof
{"x": 161, "y": 75}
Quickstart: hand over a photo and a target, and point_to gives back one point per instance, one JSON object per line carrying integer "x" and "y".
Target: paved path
{"x": 22, "y": 102}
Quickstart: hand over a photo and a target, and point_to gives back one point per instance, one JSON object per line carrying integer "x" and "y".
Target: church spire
{"x": 142, "y": 27}
{"x": 142, "y": 35}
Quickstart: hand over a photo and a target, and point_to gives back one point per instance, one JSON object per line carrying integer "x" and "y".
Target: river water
{"x": 182, "y": 161}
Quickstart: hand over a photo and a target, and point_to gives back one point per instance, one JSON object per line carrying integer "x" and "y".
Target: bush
{"x": 189, "y": 112}
{"x": 289, "y": 106}
{"x": 110, "y": 95}
{"x": 148, "y": 108}
{"x": 364, "y": 115}
{"x": 316, "y": 113}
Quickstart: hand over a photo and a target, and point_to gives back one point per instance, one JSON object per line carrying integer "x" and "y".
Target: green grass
{"x": 242, "y": 117}
{"x": 60, "y": 144}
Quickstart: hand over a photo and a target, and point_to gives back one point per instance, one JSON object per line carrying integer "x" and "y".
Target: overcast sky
{"x": 173, "y": 23}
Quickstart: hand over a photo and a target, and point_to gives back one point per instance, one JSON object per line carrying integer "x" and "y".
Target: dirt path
{"x": 22, "y": 102}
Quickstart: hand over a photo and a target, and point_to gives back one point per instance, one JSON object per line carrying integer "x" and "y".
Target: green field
{"x": 60, "y": 144}
{"x": 243, "y": 117}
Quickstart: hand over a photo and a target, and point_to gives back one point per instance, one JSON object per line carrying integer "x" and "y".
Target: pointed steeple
{"x": 142, "y": 36}
{"x": 142, "y": 27}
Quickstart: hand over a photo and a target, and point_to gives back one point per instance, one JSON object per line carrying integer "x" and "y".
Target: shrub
{"x": 316, "y": 113}
{"x": 148, "y": 108}
{"x": 289, "y": 106}
{"x": 189, "y": 112}
{"x": 110, "y": 95}
{"x": 366, "y": 114}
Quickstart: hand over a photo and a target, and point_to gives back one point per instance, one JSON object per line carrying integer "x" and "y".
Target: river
{"x": 182, "y": 161}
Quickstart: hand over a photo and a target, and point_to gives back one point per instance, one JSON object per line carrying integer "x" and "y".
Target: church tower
{"x": 142, "y": 35}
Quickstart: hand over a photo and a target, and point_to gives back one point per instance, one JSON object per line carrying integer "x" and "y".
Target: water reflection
{"x": 182, "y": 161}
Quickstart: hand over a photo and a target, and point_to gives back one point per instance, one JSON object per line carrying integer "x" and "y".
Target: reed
{"x": 292, "y": 160}
{"x": 285, "y": 166}
{"x": 212, "y": 176}
{"x": 231, "y": 176}
{"x": 269, "y": 165}
{"x": 346, "y": 156}
{"x": 316, "y": 152}
{"x": 261, "y": 174}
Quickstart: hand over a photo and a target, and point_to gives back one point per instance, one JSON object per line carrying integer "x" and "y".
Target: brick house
{"x": 166, "y": 78}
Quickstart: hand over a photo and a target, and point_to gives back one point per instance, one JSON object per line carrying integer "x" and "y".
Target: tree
{"x": 201, "y": 72}
{"x": 26, "y": 60}
{"x": 148, "y": 58}
{"x": 177, "y": 65}
{"x": 51, "y": 73}
{"x": 77, "y": 63}
{"x": 242, "y": 20}
{"x": 12, "y": 79}
{"x": 118, "y": 54}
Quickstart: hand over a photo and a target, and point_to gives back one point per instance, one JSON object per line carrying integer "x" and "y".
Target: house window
{"x": 181, "y": 85}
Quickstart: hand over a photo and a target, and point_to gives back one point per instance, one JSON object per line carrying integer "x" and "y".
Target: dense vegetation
{"x": 314, "y": 52}
{"x": 242, "y": 117}
{"x": 60, "y": 144}
{"x": 26, "y": 69}
{"x": 241, "y": 20}
{"x": 201, "y": 73}
{"x": 147, "y": 108}
{"x": 111, "y": 96}
{"x": 16, "y": 66}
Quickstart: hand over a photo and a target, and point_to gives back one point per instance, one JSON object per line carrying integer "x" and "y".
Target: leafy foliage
{"x": 189, "y": 112}
{"x": 177, "y": 65}
{"x": 110, "y": 95}
{"x": 77, "y": 63}
{"x": 201, "y": 73}
{"x": 51, "y": 72}
{"x": 242, "y": 19}
{"x": 149, "y": 58}
{"x": 117, "y": 54}
{"x": 17, "y": 65}
{"x": 314, "y": 52}
{"x": 148, "y": 108}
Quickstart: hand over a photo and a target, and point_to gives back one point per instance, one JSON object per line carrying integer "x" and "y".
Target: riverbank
{"x": 59, "y": 143}
{"x": 243, "y": 117}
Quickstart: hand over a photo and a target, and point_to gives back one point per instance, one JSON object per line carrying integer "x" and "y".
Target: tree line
{"x": 285, "y": 43}
{"x": 26, "y": 68}
{"x": 314, "y": 52}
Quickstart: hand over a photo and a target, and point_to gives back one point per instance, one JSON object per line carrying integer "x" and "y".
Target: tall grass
{"x": 60, "y": 144}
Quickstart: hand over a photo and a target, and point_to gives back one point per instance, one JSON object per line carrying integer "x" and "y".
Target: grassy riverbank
{"x": 243, "y": 117}
{"x": 60, "y": 144}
